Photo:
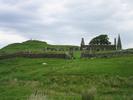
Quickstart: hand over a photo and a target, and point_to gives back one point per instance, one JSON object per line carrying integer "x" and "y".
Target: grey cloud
{"x": 81, "y": 18}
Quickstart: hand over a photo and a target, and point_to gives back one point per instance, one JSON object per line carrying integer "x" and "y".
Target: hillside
{"x": 32, "y": 46}
{"x": 59, "y": 79}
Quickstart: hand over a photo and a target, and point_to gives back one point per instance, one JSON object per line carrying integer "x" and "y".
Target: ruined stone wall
{"x": 97, "y": 48}
{"x": 106, "y": 55}
{"x": 33, "y": 55}
{"x": 102, "y": 47}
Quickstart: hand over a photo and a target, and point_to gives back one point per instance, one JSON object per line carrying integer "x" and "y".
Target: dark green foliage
{"x": 119, "y": 44}
{"x": 100, "y": 40}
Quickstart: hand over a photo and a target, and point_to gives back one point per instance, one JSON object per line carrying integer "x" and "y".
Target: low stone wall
{"x": 32, "y": 55}
{"x": 106, "y": 55}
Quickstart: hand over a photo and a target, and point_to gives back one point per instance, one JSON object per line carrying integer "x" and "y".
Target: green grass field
{"x": 60, "y": 79}
{"x": 34, "y": 46}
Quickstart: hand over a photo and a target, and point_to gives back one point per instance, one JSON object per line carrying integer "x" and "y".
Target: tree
{"x": 100, "y": 40}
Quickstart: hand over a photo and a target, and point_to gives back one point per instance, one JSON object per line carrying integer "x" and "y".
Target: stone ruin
{"x": 92, "y": 48}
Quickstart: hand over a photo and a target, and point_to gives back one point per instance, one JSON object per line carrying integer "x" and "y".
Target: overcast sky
{"x": 65, "y": 21}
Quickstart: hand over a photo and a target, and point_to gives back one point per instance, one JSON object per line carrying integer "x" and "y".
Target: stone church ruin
{"x": 101, "y": 43}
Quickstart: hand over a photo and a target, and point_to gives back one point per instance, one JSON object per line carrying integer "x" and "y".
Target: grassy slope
{"x": 111, "y": 78}
{"x": 31, "y": 45}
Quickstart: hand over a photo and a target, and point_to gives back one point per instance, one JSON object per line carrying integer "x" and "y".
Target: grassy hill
{"x": 31, "y": 45}
{"x": 60, "y": 79}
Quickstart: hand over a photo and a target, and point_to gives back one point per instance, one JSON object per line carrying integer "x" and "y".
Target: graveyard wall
{"x": 33, "y": 55}
{"x": 106, "y": 55}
